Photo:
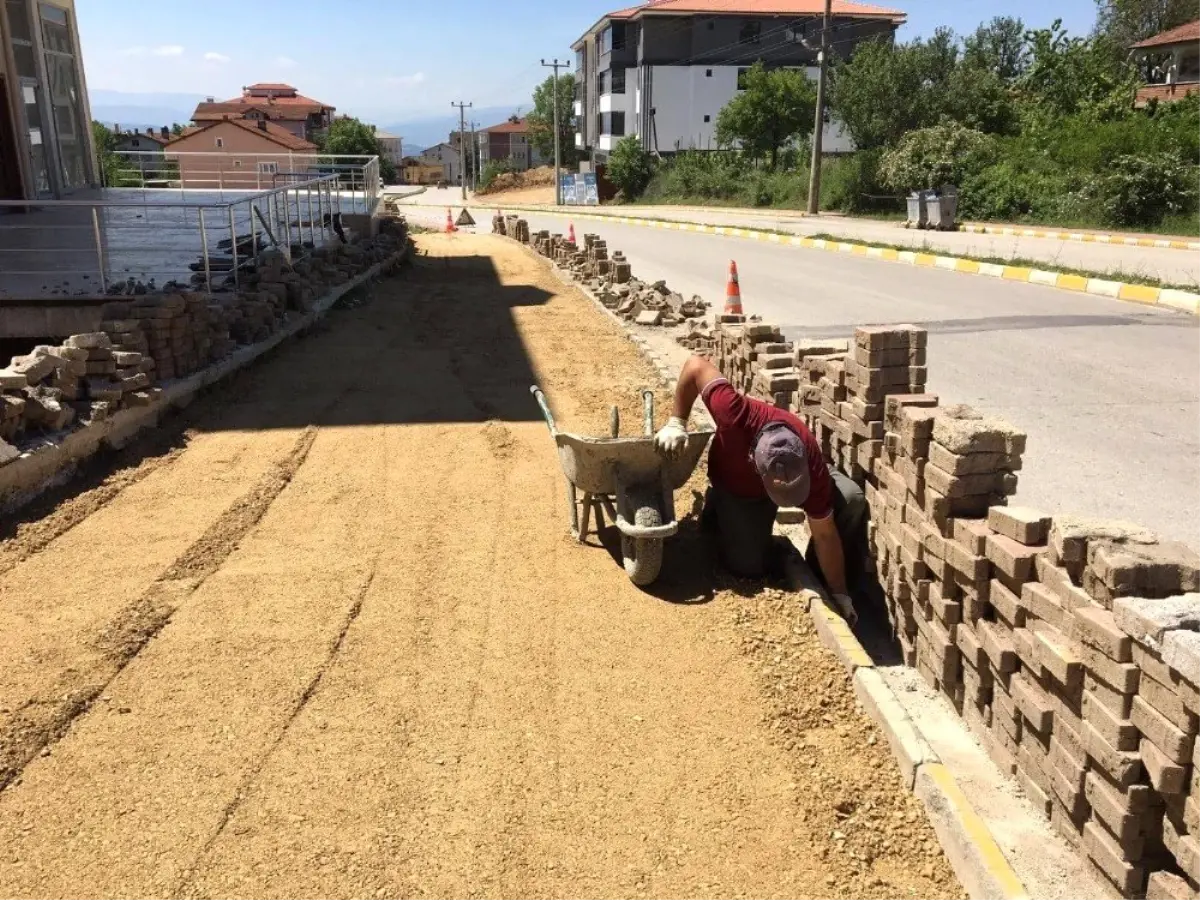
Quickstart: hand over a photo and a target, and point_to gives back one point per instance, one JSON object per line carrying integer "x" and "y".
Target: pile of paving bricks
{"x": 161, "y": 335}
{"x": 1071, "y": 647}
{"x": 609, "y": 276}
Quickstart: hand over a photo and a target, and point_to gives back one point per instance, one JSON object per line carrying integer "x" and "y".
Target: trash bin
{"x": 933, "y": 205}
{"x": 917, "y": 213}
{"x": 949, "y": 208}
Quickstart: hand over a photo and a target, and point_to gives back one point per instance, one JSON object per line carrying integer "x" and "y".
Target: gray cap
{"x": 782, "y": 463}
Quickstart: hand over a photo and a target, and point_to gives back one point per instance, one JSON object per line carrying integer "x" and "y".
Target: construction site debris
{"x": 1071, "y": 647}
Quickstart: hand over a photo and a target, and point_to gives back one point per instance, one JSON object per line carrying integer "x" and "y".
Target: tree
{"x": 541, "y": 119}
{"x": 1072, "y": 75}
{"x": 1126, "y": 22}
{"x": 115, "y": 170}
{"x": 998, "y": 47}
{"x": 775, "y": 108}
{"x": 629, "y": 167}
{"x": 351, "y": 137}
{"x": 176, "y": 130}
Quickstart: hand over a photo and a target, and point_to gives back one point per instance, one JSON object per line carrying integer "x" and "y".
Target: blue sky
{"x": 391, "y": 60}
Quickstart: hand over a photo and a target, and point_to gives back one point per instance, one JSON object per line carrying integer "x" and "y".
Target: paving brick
{"x": 1116, "y": 702}
{"x": 997, "y": 646}
{"x": 1148, "y": 620}
{"x": 1020, "y": 523}
{"x": 1058, "y": 580}
{"x": 1098, "y": 628}
{"x": 1168, "y": 886}
{"x": 1011, "y": 557}
{"x": 1167, "y": 777}
{"x": 1033, "y": 702}
{"x": 1042, "y": 604}
{"x": 961, "y": 559}
{"x": 961, "y": 429}
{"x": 1057, "y": 655}
{"x": 1185, "y": 848}
{"x": 1120, "y": 733}
{"x": 968, "y": 643}
{"x": 1106, "y": 853}
{"x": 1167, "y": 702}
{"x": 1110, "y": 806}
{"x": 1123, "y": 767}
{"x": 972, "y": 534}
{"x": 1147, "y": 570}
{"x": 967, "y": 463}
{"x": 1181, "y": 651}
{"x": 1175, "y": 744}
{"x": 1121, "y": 677}
{"x": 1038, "y": 796}
{"x": 1006, "y": 604}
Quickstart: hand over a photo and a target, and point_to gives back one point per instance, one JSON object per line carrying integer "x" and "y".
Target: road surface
{"x": 1175, "y": 267}
{"x": 336, "y": 642}
{"x": 1108, "y": 391}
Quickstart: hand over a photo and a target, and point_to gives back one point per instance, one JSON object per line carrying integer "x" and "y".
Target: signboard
{"x": 580, "y": 190}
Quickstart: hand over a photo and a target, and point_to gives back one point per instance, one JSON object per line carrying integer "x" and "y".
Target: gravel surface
{"x": 337, "y": 642}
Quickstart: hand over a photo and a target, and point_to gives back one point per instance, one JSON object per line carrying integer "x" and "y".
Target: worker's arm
{"x": 829, "y": 553}
{"x": 697, "y": 373}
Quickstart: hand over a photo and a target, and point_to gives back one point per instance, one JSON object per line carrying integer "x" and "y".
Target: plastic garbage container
{"x": 948, "y": 208}
{"x": 918, "y": 214}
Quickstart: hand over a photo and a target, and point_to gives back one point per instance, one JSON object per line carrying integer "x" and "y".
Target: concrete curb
{"x": 1183, "y": 301}
{"x": 975, "y": 856}
{"x": 1084, "y": 237}
{"x": 55, "y": 462}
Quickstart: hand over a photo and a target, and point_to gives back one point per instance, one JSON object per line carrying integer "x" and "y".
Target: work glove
{"x": 672, "y": 438}
{"x": 846, "y": 607}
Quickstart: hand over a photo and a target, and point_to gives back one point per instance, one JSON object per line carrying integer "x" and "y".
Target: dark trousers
{"x": 743, "y": 529}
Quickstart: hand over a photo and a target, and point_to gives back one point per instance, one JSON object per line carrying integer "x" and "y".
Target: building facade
{"x": 446, "y": 156}
{"x": 1172, "y": 61}
{"x": 46, "y": 146}
{"x": 508, "y": 143}
{"x": 280, "y": 104}
{"x": 142, "y": 150}
{"x": 391, "y": 146}
{"x": 239, "y": 154}
{"x": 416, "y": 171}
{"x": 662, "y": 71}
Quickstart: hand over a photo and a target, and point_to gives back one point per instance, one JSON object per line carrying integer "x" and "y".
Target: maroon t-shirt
{"x": 739, "y": 419}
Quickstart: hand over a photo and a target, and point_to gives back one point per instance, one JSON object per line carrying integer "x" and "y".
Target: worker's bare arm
{"x": 697, "y": 373}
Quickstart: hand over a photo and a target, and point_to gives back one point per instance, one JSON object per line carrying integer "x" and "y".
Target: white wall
{"x": 683, "y": 95}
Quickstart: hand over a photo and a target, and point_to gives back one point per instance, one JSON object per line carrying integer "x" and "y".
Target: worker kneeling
{"x": 762, "y": 458}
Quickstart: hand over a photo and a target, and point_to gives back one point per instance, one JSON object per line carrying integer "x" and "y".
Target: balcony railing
{"x": 134, "y": 239}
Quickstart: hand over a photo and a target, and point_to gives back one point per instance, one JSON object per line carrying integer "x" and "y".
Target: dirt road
{"x": 334, "y": 641}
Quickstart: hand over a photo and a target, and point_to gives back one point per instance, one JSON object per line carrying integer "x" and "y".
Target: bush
{"x": 1143, "y": 190}
{"x": 491, "y": 171}
{"x": 932, "y": 157}
{"x": 629, "y": 167}
{"x": 851, "y": 184}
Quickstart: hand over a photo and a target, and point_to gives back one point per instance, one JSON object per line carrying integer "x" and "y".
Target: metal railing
{"x": 140, "y": 239}
{"x": 227, "y": 171}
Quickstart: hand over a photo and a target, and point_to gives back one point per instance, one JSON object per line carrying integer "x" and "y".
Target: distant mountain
{"x": 413, "y": 149}
{"x": 426, "y": 132}
{"x": 142, "y": 111}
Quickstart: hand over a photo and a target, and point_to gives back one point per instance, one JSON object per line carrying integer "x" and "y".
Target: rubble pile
{"x": 146, "y": 337}
{"x": 1071, "y": 647}
{"x": 609, "y": 276}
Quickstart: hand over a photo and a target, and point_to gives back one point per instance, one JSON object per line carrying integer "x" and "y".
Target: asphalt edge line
{"x": 1172, "y": 298}
{"x": 976, "y": 858}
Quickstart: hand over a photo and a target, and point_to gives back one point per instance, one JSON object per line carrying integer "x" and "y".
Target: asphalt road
{"x": 1108, "y": 391}
{"x": 1174, "y": 267}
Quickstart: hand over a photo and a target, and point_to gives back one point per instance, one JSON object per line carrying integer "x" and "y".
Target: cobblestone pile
{"x": 1071, "y": 647}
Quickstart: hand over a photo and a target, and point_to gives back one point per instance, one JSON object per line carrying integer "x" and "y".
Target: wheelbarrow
{"x": 630, "y": 473}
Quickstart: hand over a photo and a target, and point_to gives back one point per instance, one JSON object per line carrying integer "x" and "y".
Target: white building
{"x": 391, "y": 145}
{"x": 662, "y": 71}
{"x": 446, "y": 156}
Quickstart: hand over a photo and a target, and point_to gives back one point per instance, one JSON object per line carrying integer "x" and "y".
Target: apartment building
{"x": 280, "y": 104}
{"x": 508, "y": 142}
{"x": 447, "y": 157}
{"x": 662, "y": 71}
{"x": 46, "y": 147}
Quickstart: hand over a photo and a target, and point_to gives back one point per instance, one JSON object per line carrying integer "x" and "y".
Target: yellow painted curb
{"x": 1172, "y": 298}
{"x": 1083, "y": 238}
{"x": 985, "y": 852}
{"x": 836, "y": 631}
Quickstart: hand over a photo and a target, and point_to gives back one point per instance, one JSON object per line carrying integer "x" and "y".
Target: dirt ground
{"x": 534, "y": 195}
{"x": 326, "y": 635}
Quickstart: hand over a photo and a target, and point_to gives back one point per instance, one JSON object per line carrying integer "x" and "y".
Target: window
{"x": 580, "y": 58}
{"x": 606, "y": 82}
{"x": 220, "y": 143}
{"x": 751, "y": 31}
{"x": 708, "y": 73}
{"x": 237, "y": 163}
{"x": 136, "y": 142}
{"x": 613, "y": 123}
{"x": 605, "y": 42}
{"x": 618, "y": 81}
{"x": 708, "y": 118}
{"x": 268, "y": 168}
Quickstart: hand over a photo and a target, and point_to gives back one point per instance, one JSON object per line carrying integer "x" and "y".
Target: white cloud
{"x": 210, "y": 56}
{"x": 168, "y": 50}
{"x": 134, "y": 51}
{"x": 284, "y": 62}
{"x": 406, "y": 80}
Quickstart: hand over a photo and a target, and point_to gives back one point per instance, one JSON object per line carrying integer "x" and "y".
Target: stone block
{"x": 1175, "y": 743}
{"x": 960, "y": 429}
{"x": 12, "y": 381}
{"x": 1166, "y": 776}
{"x": 1056, "y": 654}
{"x": 90, "y": 340}
{"x": 1098, "y": 628}
{"x": 1168, "y": 886}
{"x": 1120, "y": 733}
{"x": 649, "y": 317}
{"x": 1014, "y": 559}
{"x": 1147, "y": 620}
{"x": 1021, "y": 523}
{"x": 1154, "y": 570}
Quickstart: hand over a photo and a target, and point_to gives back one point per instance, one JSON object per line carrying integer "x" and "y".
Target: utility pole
{"x": 556, "y": 65}
{"x": 474, "y": 158}
{"x": 462, "y": 139}
{"x": 814, "y": 175}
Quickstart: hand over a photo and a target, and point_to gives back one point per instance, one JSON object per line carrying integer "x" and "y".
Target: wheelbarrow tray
{"x": 589, "y": 463}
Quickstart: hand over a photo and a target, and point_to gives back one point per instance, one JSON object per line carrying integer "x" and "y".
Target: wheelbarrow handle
{"x": 546, "y": 414}
{"x": 648, "y": 412}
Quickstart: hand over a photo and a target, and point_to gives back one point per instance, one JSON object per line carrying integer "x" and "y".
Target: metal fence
{"x": 146, "y": 237}
{"x": 229, "y": 171}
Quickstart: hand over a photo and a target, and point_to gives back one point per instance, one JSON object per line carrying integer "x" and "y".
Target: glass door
{"x": 31, "y": 123}
{"x": 31, "y": 102}
{"x": 66, "y": 98}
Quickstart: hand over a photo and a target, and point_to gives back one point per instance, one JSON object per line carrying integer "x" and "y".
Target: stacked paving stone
{"x": 609, "y": 276}
{"x": 148, "y": 336}
{"x": 1071, "y": 647}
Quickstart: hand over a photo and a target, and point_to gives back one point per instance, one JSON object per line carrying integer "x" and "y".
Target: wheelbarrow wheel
{"x": 643, "y": 556}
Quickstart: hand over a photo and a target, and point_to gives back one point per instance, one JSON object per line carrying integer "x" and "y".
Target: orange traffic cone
{"x": 571, "y": 232}
{"x": 733, "y": 293}
{"x": 450, "y": 226}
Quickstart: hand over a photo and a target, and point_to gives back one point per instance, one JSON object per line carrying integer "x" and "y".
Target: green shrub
{"x": 851, "y": 184}
{"x": 1143, "y": 190}
{"x": 932, "y": 157}
{"x": 629, "y": 167}
{"x": 491, "y": 170}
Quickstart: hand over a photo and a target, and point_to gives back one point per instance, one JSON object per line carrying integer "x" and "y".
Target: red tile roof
{"x": 271, "y": 86}
{"x": 272, "y": 132}
{"x": 1182, "y": 34}
{"x": 759, "y": 7}
{"x": 292, "y": 108}
{"x": 509, "y": 127}
{"x": 1165, "y": 93}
